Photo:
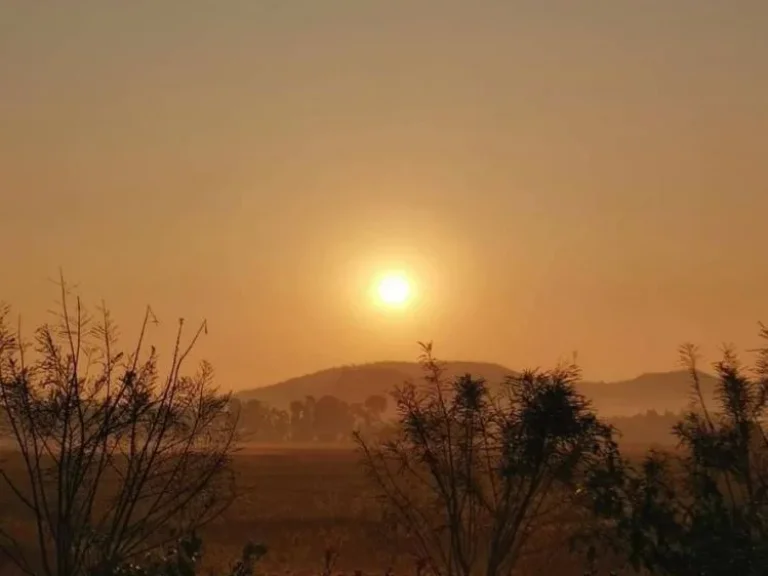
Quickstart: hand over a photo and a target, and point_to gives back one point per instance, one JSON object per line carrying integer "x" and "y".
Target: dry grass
{"x": 301, "y": 502}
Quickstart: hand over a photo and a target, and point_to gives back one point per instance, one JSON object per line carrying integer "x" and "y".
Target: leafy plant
{"x": 471, "y": 476}
{"x": 704, "y": 508}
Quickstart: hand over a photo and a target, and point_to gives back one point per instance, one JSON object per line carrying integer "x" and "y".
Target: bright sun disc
{"x": 394, "y": 290}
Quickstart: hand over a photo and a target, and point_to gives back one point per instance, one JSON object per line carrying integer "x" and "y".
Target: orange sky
{"x": 556, "y": 175}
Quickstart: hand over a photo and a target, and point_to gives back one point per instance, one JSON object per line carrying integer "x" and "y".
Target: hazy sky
{"x": 554, "y": 175}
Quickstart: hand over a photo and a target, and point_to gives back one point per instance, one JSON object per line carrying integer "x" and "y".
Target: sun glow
{"x": 393, "y": 290}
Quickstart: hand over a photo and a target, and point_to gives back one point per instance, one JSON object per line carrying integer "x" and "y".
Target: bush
{"x": 704, "y": 509}
{"x": 477, "y": 479}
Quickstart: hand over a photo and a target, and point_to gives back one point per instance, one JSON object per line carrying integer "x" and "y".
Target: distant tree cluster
{"x": 327, "y": 420}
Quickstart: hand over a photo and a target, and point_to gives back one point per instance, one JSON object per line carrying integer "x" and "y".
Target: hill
{"x": 661, "y": 391}
{"x": 357, "y": 382}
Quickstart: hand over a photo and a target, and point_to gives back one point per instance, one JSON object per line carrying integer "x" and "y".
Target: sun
{"x": 394, "y": 290}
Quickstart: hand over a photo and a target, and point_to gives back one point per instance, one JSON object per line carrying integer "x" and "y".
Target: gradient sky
{"x": 556, "y": 175}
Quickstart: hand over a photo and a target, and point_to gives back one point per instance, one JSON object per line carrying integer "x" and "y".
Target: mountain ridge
{"x": 660, "y": 391}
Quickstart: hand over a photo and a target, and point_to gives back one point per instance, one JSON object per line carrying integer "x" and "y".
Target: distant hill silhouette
{"x": 355, "y": 383}
{"x": 662, "y": 391}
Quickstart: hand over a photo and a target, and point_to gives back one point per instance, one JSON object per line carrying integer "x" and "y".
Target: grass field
{"x": 301, "y": 502}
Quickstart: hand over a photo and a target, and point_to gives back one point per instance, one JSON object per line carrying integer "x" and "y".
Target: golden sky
{"x": 554, "y": 175}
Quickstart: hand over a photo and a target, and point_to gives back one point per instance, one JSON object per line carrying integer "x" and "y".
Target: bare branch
{"x": 111, "y": 453}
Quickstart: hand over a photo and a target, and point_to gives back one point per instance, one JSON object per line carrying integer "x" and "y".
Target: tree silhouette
{"x": 704, "y": 508}
{"x": 472, "y": 476}
{"x": 281, "y": 425}
{"x": 302, "y": 420}
{"x": 333, "y": 419}
{"x": 376, "y": 406}
{"x": 116, "y": 460}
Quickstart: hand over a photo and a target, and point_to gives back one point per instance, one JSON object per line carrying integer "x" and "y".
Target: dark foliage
{"x": 477, "y": 480}
{"x": 703, "y": 509}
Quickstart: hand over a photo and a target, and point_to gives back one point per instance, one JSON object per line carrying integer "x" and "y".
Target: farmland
{"x": 301, "y": 503}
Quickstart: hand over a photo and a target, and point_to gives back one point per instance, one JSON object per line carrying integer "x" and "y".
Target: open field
{"x": 297, "y": 501}
{"x": 301, "y": 502}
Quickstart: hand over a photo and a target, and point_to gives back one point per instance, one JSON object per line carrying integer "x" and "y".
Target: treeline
{"x": 330, "y": 419}
{"x": 327, "y": 419}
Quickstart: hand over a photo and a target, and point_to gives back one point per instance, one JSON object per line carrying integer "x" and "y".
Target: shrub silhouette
{"x": 703, "y": 509}
{"x": 472, "y": 477}
{"x": 116, "y": 460}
